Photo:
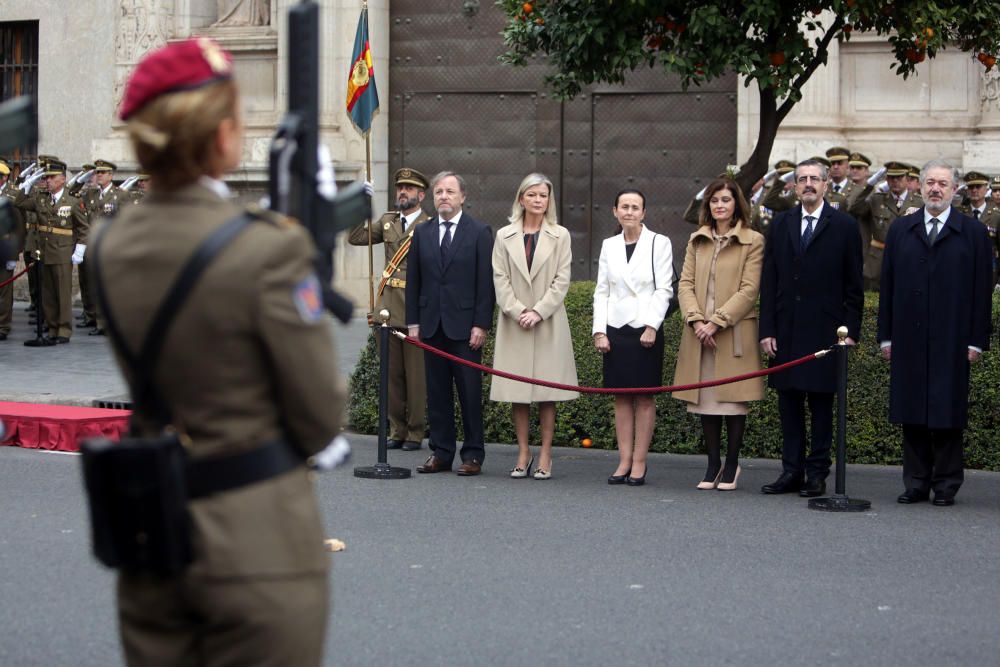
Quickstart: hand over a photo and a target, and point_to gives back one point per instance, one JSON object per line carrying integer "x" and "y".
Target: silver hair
{"x": 811, "y": 163}
{"x": 530, "y": 181}
{"x": 940, "y": 163}
{"x": 445, "y": 174}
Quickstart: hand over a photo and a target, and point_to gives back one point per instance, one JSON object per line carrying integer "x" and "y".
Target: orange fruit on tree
{"x": 587, "y": 442}
{"x": 527, "y": 7}
{"x": 777, "y": 58}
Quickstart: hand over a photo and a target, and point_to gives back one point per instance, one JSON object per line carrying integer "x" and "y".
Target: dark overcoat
{"x": 808, "y": 293}
{"x": 934, "y": 302}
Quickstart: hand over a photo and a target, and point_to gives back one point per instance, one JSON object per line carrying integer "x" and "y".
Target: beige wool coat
{"x": 545, "y": 351}
{"x": 737, "y": 283}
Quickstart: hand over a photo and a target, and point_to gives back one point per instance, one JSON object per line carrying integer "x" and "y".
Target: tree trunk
{"x": 757, "y": 164}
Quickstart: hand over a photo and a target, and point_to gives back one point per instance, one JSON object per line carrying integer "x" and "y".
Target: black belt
{"x": 225, "y": 473}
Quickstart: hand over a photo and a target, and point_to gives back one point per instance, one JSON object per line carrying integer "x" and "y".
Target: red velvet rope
{"x": 616, "y": 390}
{"x": 13, "y": 278}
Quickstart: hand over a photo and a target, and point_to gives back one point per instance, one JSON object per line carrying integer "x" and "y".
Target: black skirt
{"x": 629, "y": 364}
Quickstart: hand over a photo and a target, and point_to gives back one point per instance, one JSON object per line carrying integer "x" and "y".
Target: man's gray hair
{"x": 940, "y": 163}
{"x": 440, "y": 176}
{"x": 811, "y": 163}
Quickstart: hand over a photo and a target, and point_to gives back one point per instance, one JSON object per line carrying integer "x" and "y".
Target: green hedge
{"x": 871, "y": 438}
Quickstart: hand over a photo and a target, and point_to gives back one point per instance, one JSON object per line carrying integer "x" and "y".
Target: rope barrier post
{"x": 39, "y": 340}
{"x": 382, "y": 469}
{"x": 839, "y": 502}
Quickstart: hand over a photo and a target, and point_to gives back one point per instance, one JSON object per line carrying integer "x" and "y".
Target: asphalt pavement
{"x": 445, "y": 570}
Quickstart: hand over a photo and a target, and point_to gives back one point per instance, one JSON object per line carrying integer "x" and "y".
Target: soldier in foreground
{"x": 407, "y": 384}
{"x": 246, "y": 375}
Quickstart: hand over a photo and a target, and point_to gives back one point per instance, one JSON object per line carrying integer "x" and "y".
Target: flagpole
{"x": 371, "y": 261}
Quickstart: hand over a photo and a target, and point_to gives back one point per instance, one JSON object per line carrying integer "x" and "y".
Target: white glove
{"x": 769, "y": 175}
{"x": 370, "y": 188}
{"x": 701, "y": 193}
{"x": 78, "y": 253}
{"x": 883, "y": 187}
{"x": 788, "y": 178}
{"x": 326, "y": 181}
{"x": 29, "y": 170}
{"x": 962, "y": 188}
{"x": 81, "y": 178}
{"x": 877, "y": 176}
{"x": 11, "y": 265}
{"x": 338, "y": 451}
{"x": 34, "y": 178}
{"x": 129, "y": 182}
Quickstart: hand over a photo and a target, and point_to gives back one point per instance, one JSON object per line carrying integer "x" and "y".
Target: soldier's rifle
{"x": 294, "y": 159}
{"x": 17, "y": 129}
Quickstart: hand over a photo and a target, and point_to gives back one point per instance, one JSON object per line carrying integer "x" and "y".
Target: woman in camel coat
{"x": 717, "y": 292}
{"x": 531, "y": 273}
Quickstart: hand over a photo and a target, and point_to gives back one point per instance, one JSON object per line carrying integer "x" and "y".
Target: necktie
{"x": 446, "y": 240}
{"x": 975, "y": 213}
{"x": 836, "y": 188}
{"x": 932, "y": 237}
{"x": 808, "y": 231}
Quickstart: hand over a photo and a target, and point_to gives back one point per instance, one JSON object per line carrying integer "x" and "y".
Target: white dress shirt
{"x": 442, "y": 227}
{"x": 815, "y": 215}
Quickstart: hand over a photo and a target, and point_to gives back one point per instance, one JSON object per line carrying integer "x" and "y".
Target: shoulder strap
{"x": 144, "y": 393}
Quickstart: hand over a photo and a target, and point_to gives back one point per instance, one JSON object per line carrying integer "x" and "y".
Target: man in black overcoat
{"x": 933, "y": 321}
{"x": 811, "y": 285}
{"x": 449, "y": 305}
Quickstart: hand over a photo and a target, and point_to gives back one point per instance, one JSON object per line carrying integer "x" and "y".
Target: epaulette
{"x": 273, "y": 217}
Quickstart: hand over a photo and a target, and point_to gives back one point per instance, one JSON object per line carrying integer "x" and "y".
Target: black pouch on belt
{"x": 138, "y": 487}
{"x": 138, "y": 503}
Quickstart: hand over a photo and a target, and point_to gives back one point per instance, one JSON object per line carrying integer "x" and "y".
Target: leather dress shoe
{"x": 943, "y": 499}
{"x": 813, "y": 488}
{"x": 393, "y": 444}
{"x": 469, "y": 468}
{"x": 96, "y": 332}
{"x": 787, "y": 483}
{"x": 61, "y": 340}
{"x": 411, "y": 446}
{"x": 433, "y": 464}
{"x": 911, "y": 496}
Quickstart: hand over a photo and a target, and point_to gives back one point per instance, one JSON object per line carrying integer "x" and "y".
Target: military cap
{"x": 180, "y": 66}
{"x": 995, "y": 183}
{"x": 142, "y": 177}
{"x": 976, "y": 178}
{"x": 896, "y": 168}
{"x": 407, "y": 176}
{"x": 784, "y": 166}
{"x": 104, "y": 165}
{"x": 88, "y": 166}
{"x": 45, "y": 159}
{"x": 838, "y": 153}
{"x": 4, "y": 167}
{"x": 55, "y": 167}
{"x": 859, "y": 160}
{"x": 913, "y": 171}
{"x": 822, "y": 160}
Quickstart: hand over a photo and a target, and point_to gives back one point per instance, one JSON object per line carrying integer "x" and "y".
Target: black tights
{"x": 712, "y": 426}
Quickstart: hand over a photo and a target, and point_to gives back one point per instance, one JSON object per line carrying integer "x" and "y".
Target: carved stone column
{"x": 142, "y": 25}
{"x": 982, "y": 150}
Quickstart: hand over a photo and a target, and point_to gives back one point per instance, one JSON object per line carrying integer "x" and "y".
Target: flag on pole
{"x": 362, "y": 97}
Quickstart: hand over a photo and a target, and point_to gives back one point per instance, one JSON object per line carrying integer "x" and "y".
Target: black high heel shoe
{"x": 619, "y": 479}
{"x": 636, "y": 481}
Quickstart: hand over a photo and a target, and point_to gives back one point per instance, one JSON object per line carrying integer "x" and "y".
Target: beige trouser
{"x": 407, "y": 391}
{"x": 239, "y": 622}
{"x": 57, "y": 299}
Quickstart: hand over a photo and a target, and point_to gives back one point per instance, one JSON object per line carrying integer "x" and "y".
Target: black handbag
{"x": 138, "y": 488}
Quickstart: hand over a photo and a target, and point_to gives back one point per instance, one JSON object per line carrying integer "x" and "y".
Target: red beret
{"x": 186, "y": 65}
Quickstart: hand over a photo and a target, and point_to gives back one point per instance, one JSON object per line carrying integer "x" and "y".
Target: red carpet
{"x": 58, "y": 427}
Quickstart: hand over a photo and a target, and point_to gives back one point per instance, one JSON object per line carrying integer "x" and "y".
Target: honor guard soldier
{"x": 995, "y": 190}
{"x": 139, "y": 189}
{"x": 913, "y": 179}
{"x": 246, "y": 373}
{"x": 13, "y": 240}
{"x": 840, "y": 181}
{"x": 983, "y": 210}
{"x": 31, "y": 240}
{"x": 761, "y": 215}
{"x": 407, "y": 382}
{"x": 62, "y": 227}
{"x": 104, "y": 202}
{"x": 875, "y": 211}
{"x": 858, "y": 167}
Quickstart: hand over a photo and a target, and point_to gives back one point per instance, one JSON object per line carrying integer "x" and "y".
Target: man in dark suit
{"x": 449, "y": 305}
{"x": 933, "y": 321}
{"x": 811, "y": 285}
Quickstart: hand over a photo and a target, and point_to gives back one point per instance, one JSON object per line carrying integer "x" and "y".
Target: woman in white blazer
{"x": 634, "y": 286}
{"x": 532, "y": 260}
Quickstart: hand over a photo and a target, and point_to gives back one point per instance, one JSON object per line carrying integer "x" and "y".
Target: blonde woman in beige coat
{"x": 531, "y": 273}
{"x": 717, "y": 292}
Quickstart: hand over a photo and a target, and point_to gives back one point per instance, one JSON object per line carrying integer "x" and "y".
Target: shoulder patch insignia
{"x": 308, "y": 299}
{"x": 387, "y": 226}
